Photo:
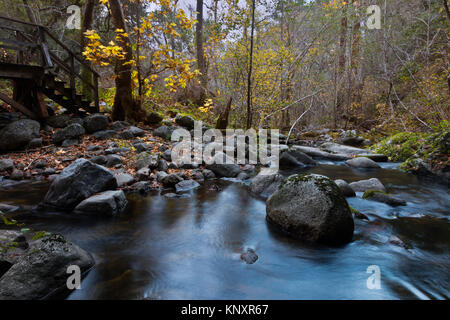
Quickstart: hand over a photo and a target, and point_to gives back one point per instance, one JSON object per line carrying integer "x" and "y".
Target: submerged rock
{"x": 77, "y": 182}
{"x": 311, "y": 208}
{"x": 249, "y": 256}
{"x": 380, "y": 196}
{"x": 107, "y": 203}
{"x": 42, "y": 271}
{"x": 186, "y": 185}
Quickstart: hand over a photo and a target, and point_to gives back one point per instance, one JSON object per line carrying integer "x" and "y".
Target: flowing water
{"x": 189, "y": 248}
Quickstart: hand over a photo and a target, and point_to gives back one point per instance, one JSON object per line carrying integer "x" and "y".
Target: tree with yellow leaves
{"x": 140, "y": 63}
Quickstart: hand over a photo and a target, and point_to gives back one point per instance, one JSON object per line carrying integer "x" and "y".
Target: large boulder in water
{"x": 18, "y": 134}
{"x": 77, "y": 182}
{"x": 42, "y": 271}
{"x": 311, "y": 208}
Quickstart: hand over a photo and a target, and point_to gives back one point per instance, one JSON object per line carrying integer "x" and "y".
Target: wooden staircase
{"x": 40, "y": 64}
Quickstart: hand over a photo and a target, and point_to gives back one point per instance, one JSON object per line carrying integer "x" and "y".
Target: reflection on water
{"x": 189, "y": 248}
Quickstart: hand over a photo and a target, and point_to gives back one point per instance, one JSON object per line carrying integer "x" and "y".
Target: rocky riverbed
{"x": 89, "y": 171}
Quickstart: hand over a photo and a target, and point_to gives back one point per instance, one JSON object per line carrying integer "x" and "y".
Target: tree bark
{"x": 125, "y": 107}
{"x": 249, "y": 80}
{"x": 88, "y": 19}
{"x": 201, "y": 63}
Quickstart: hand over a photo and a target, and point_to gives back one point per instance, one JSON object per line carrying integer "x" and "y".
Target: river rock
{"x": 345, "y": 188}
{"x": 320, "y": 154}
{"x": 107, "y": 203}
{"x": 136, "y": 132}
{"x": 167, "y": 155}
{"x": 338, "y": 148}
{"x": 162, "y": 165}
{"x": 249, "y": 256}
{"x": 72, "y": 131}
{"x": 12, "y": 237}
{"x": 96, "y": 122}
{"x": 143, "y": 174}
{"x": 42, "y": 271}
{"x": 113, "y": 160}
{"x": 380, "y": 196}
{"x": 119, "y": 125}
{"x": 124, "y": 179}
{"x": 311, "y": 208}
{"x": 104, "y": 134}
{"x": 364, "y": 185}
{"x": 99, "y": 159}
{"x": 141, "y": 147}
{"x": 58, "y": 121}
{"x": 77, "y": 182}
{"x": 35, "y": 143}
{"x": 18, "y": 134}
{"x": 353, "y": 141}
{"x": 266, "y": 182}
{"x": 208, "y": 174}
{"x": 362, "y": 162}
{"x": 6, "y": 165}
{"x": 154, "y": 118}
{"x": 288, "y": 161}
{"x": 185, "y": 121}
{"x": 6, "y": 208}
{"x": 164, "y": 132}
{"x": 186, "y": 185}
{"x": 170, "y": 180}
{"x": 375, "y": 157}
{"x": 147, "y": 160}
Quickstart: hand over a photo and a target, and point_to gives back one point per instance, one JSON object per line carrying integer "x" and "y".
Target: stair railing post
{"x": 72, "y": 79}
{"x": 97, "y": 104}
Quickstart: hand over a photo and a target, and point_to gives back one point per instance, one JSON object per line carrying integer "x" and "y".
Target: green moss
{"x": 40, "y": 234}
{"x": 400, "y": 146}
{"x": 6, "y": 247}
{"x": 371, "y": 192}
{"x": 353, "y": 210}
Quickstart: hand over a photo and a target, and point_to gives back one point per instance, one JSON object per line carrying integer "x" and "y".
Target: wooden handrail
{"x": 47, "y": 31}
{"x": 49, "y": 59}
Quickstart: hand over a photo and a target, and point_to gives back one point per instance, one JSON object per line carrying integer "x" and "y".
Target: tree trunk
{"x": 201, "y": 63}
{"x": 88, "y": 19}
{"x": 249, "y": 80}
{"x": 341, "y": 65}
{"x": 125, "y": 107}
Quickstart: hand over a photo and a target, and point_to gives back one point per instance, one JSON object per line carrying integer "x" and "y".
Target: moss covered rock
{"x": 311, "y": 208}
{"x": 380, "y": 196}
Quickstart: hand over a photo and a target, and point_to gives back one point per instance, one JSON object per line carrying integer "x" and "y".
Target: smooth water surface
{"x": 189, "y": 248}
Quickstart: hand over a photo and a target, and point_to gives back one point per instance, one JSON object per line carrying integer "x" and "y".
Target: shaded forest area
{"x": 194, "y": 57}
